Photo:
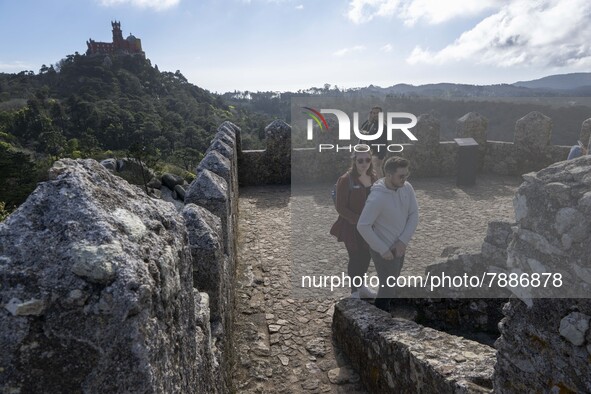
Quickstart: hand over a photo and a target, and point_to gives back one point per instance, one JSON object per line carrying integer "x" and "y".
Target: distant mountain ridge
{"x": 448, "y": 90}
{"x": 558, "y": 82}
{"x": 560, "y": 85}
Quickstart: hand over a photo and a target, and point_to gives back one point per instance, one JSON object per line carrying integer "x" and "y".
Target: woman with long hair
{"x": 352, "y": 190}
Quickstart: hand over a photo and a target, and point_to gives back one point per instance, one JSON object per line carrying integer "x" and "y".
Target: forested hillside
{"x": 99, "y": 106}
{"x": 447, "y": 103}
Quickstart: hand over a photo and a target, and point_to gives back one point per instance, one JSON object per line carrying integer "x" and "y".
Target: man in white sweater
{"x": 388, "y": 222}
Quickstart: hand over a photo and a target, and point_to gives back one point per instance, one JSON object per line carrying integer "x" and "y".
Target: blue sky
{"x": 296, "y": 44}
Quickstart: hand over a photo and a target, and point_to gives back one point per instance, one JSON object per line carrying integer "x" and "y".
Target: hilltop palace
{"x": 130, "y": 45}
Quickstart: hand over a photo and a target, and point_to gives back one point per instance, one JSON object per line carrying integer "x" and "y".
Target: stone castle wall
{"x": 530, "y": 151}
{"x": 97, "y": 292}
{"x": 401, "y": 356}
{"x": 545, "y": 343}
{"x": 105, "y": 289}
{"x": 269, "y": 166}
{"x": 211, "y": 215}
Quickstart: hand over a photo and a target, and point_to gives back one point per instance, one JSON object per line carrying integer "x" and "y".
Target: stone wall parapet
{"x": 97, "y": 291}
{"x": 400, "y": 356}
{"x": 211, "y": 215}
{"x": 121, "y": 291}
{"x": 530, "y": 151}
{"x": 272, "y": 165}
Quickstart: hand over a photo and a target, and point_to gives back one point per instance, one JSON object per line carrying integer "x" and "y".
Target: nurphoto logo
{"x": 392, "y": 123}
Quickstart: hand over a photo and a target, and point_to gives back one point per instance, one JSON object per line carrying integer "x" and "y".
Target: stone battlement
{"x": 105, "y": 289}
{"x": 530, "y": 151}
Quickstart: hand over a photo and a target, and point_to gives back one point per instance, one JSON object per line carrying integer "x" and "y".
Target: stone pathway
{"x": 283, "y": 335}
{"x": 283, "y": 344}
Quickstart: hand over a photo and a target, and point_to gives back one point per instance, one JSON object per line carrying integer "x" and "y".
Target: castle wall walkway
{"x": 283, "y": 336}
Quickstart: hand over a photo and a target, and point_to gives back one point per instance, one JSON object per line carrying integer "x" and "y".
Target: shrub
{"x": 3, "y": 211}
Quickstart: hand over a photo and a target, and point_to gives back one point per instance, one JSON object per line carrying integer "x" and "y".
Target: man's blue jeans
{"x": 386, "y": 269}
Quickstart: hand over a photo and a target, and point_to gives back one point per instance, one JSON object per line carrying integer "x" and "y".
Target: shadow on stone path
{"x": 283, "y": 345}
{"x": 282, "y": 335}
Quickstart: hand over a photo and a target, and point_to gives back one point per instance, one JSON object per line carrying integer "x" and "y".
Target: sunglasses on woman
{"x": 366, "y": 160}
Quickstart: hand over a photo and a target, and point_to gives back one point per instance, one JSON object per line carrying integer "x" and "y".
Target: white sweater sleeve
{"x": 412, "y": 220}
{"x": 371, "y": 211}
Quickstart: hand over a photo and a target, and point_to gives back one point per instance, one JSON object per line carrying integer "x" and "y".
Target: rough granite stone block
{"x": 97, "y": 291}
{"x": 216, "y": 163}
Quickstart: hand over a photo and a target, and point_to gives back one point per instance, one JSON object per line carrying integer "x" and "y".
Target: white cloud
{"x": 436, "y": 11}
{"x": 411, "y": 11}
{"x": 361, "y": 11}
{"x": 16, "y": 66}
{"x": 299, "y": 7}
{"x": 346, "y": 51}
{"x": 154, "y": 4}
{"x": 554, "y": 33}
{"x": 386, "y": 48}
{"x": 270, "y": 2}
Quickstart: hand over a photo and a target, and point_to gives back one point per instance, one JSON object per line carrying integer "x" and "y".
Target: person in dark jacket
{"x": 353, "y": 187}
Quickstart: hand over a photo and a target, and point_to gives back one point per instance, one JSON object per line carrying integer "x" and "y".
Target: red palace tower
{"x": 130, "y": 45}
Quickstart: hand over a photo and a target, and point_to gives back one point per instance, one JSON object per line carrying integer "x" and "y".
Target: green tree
{"x": 145, "y": 155}
{"x": 53, "y": 143}
{"x": 4, "y": 211}
{"x": 18, "y": 177}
